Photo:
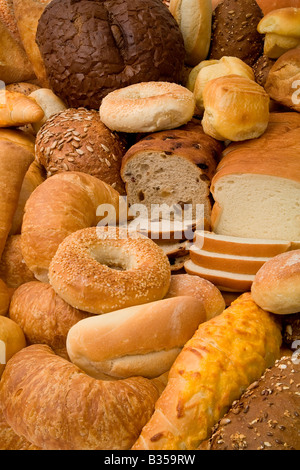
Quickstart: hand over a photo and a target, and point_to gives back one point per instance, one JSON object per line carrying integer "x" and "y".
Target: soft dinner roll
{"x": 4, "y": 298}
{"x": 12, "y": 340}
{"x": 100, "y": 269}
{"x": 43, "y": 316}
{"x": 276, "y": 286}
{"x": 236, "y": 108}
{"x": 195, "y": 286}
{"x": 147, "y": 107}
{"x": 194, "y": 19}
{"x": 224, "y": 66}
{"x": 282, "y": 31}
{"x": 140, "y": 340}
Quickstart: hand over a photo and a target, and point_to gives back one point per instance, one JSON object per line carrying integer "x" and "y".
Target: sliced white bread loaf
{"x": 256, "y": 187}
{"x": 225, "y": 281}
{"x": 225, "y": 262}
{"x": 237, "y": 246}
{"x": 172, "y": 169}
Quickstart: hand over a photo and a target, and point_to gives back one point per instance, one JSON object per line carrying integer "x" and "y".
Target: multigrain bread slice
{"x": 172, "y": 168}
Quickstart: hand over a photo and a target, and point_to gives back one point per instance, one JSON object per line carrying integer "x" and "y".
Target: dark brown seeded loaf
{"x": 267, "y": 417}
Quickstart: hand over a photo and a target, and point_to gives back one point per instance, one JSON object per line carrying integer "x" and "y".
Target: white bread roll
{"x": 142, "y": 340}
{"x": 281, "y": 28}
{"x": 276, "y": 287}
{"x": 227, "y": 65}
{"x": 235, "y": 108}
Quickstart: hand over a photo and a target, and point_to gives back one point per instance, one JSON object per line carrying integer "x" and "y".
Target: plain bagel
{"x": 147, "y": 107}
{"x": 101, "y": 269}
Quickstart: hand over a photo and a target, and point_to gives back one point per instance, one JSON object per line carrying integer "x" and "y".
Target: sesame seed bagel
{"x": 102, "y": 269}
{"x": 147, "y": 107}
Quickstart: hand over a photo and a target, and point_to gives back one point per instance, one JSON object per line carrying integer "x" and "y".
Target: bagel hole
{"x": 112, "y": 258}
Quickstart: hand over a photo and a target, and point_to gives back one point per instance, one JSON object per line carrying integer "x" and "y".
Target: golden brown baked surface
{"x": 70, "y": 410}
{"x": 212, "y": 371}
{"x": 43, "y": 316}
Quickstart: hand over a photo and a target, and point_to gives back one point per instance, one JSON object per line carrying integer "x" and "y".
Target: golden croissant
{"x": 226, "y": 355}
{"x": 17, "y": 109}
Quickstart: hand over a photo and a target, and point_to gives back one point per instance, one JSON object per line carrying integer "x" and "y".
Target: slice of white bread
{"x": 237, "y": 246}
{"x": 225, "y": 281}
{"x": 259, "y": 206}
{"x": 256, "y": 187}
{"x": 225, "y": 262}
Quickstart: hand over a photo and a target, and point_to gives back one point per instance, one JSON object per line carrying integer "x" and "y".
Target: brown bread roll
{"x": 92, "y": 48}
{"x": 43, "y": 316}
{"x": 276, "y": 286}
{"x": 77, "y": 140}
{"x": 186, "y": 284}
{"x": 283, "y": 82}
{"x": 234, "y": 31}
{"x": 266, "y": 417}
{"x": 4, "y": 298}
{"x": 13, "y": 269}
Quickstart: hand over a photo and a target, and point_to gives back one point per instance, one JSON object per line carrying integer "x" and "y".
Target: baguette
{"x": 214, "y": 368}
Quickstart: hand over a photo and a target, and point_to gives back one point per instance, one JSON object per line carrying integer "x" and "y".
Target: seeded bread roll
{"x": 266, "y": 417}
{"x": 261, "y": 69}
{"x": 77, "y": 140}
{"x": 93, "y": 47}
{"x": 235, "y": 31}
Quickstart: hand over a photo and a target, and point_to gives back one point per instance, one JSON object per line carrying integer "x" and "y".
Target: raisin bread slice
{"x": 172, "y": 169}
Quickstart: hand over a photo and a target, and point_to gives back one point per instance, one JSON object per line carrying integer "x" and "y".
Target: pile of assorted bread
{"x": 150, "y": 225}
